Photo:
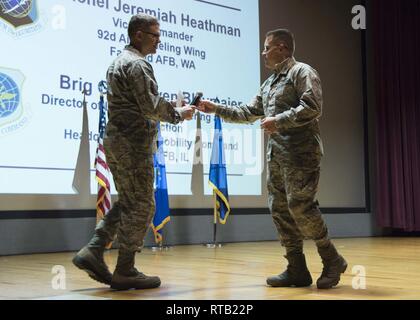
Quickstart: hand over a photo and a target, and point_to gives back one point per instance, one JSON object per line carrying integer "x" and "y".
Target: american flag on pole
{"x": 103, "y": 174}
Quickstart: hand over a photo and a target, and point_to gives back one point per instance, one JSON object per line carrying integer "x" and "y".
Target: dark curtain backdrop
{"x": 396, "y": 44}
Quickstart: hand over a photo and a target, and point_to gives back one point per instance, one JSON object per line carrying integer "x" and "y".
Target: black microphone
{"x": 197, "y": 98}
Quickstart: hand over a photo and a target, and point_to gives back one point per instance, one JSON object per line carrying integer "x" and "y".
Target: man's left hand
{"x": 269, "y": 125}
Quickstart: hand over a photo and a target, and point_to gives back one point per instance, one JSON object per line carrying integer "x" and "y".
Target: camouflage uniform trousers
{"x": 130, "y": 216}
{"x": 292, "y": 186}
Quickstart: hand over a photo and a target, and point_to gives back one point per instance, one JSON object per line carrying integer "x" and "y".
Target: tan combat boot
{"x": 296, "y": 274}
{"x": 334, "y": 266}
{"x": 91, "y": 260}
{"x": 126, "y": 276}
{"x": 91, "y": 257}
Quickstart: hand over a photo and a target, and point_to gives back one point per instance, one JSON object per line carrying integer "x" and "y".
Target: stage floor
{"x": 379, "y": 268}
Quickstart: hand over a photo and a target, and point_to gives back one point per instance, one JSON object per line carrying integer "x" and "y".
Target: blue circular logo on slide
{"x": 9, "y": 96}
{"x": 16, "y": 8}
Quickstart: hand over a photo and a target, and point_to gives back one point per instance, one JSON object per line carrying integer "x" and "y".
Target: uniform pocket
{"x": 284, "y": 87}
{"x": 285, "y": 96}
{"x": 302, "y": 183}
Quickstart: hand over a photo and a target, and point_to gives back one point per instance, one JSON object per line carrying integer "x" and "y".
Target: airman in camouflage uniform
{"x": 134, "y": 108}
{"x": 290, "y": 103}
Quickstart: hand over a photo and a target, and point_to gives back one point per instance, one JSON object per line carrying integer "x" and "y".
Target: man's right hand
{"x": 206, "y": 106}
{"x": 186, "y": 112}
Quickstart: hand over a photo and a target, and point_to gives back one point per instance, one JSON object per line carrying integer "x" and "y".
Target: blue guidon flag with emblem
{"x": 161, "y": 191}
{"x": 218, "y": 175}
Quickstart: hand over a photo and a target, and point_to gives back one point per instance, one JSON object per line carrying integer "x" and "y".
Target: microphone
{"x": 197, "y": 98}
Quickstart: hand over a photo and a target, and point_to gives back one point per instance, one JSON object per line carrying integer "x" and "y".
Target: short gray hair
{"x": 139, "y": 22}
{"x": 284, "y": 35}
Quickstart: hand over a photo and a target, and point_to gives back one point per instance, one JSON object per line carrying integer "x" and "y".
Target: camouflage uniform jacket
{"x": 293, "y": 95}
{"x": 134, "y": 104}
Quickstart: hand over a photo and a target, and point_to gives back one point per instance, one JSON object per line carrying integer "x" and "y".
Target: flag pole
{"x": 163, "y": 246}
{"x": 215, "y": 218}
{"x": 214, "y": 244}
{"x": 160, "y": 246}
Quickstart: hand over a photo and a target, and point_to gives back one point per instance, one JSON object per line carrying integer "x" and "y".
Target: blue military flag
{"x": 218, "y": 176}
{"x": 161, "y": 191}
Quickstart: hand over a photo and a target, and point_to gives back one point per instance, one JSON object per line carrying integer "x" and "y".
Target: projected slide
{"x": 51, "y": 50}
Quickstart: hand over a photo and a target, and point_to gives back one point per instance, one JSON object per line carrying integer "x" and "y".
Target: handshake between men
{"x": 268, "y": 124}
{"x": 186, "y": 111}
